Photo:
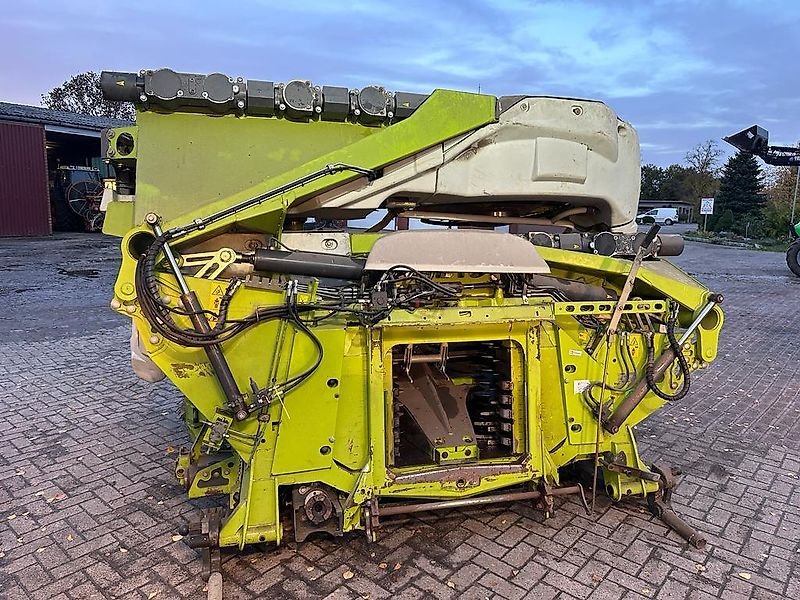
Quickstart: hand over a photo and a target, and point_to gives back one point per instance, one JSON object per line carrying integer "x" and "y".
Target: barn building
{"x": 34, "y": 143}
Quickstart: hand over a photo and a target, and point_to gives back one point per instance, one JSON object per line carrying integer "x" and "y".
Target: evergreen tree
{"x": 741, "y": 188}
{"x": 652, "y": 179}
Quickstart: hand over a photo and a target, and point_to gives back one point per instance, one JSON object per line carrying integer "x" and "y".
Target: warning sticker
{"x": 581, "y": 385}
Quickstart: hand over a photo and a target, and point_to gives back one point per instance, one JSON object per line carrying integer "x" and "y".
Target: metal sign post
{"x": 706, "y": 208}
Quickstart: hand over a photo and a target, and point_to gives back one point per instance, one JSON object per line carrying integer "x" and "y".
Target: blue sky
{"x": 682, "y": 71}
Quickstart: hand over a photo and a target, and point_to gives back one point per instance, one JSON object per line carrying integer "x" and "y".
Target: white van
{"x": 663, "y": 216}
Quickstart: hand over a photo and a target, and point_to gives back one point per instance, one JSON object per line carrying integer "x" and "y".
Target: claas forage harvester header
{"x": 340, "y": 367}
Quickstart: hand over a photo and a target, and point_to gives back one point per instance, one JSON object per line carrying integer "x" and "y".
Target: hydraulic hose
{"x": 682, "y": 364}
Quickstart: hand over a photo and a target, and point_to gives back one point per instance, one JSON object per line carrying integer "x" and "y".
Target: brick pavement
{"x": 89, "y": 505}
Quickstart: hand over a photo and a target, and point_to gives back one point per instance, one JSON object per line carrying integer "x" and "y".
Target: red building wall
{"x": 24, "y": 199}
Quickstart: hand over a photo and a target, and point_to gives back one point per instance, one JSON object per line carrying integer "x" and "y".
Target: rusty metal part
{"x": 617, "y": 464}
{"x": 615, "y": 420}
{"x": 403, "y": 509}
{"x": 576, "y": 291}
{"x": 670, "y": 244}
{"x": 610, "y": 332}
{"x": 200, "y": 323}
{"x": 660, "y": 505}
{"x": 203, "y": 535}
{"x": 664, "y": 511}
{"x": 316, "y": 508}
{"x": 471, "y": 474}
{"x": 437, "y": 406}
{"x": 371, "y": 519}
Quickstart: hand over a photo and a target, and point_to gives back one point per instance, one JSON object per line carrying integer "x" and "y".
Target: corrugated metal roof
{"x": 45, "y": 116}
{"x": 24, "y": 198}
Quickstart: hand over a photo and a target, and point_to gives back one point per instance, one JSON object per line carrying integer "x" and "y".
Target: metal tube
{"x": 331, "y": 169}
{"x": 404, "y": 509}
{"x": 716, "y": 299}
{"x": 683, "y": 529}
{"x": 613, "y": 423}
{"x": 173, "y": 262}
{"x": 215, "y": 356}
{"x": 615, "y": 420}
{"x": 663, "y": 510}
{"x": 191, "y": 303}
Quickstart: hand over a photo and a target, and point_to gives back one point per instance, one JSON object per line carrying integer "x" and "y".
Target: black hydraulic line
{"x": 235, "y": 399}
{"x": 650, "y": 375}
{"x": 656, "y": 369}
{"x": 221, "y": 368}
{"x": 204, "y": 335}
{"x": 331, "y": 169}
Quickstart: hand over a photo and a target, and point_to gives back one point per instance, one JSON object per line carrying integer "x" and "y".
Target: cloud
{"x": 680, "y": 70}
{"x": 697, "y": 123}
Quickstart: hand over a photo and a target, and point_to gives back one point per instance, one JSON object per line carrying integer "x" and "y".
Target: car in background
{"x": 662, "y": 216}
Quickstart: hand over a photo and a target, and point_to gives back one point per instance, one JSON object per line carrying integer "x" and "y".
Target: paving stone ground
{"x": 89, "y": 505}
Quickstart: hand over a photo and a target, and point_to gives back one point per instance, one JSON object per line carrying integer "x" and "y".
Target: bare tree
{"x": 81, "y": 93}
{"x": 704, "y": 158}
{"x": 703, "y": 167}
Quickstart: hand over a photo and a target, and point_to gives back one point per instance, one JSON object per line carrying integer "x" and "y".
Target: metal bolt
{"x": 130, "y": 308}
{"x": 281, "y": 106}
{"x": 142, "y": 98}
{"x": 317, "y": 109}
{"x": 151, "y": 218}
{"x": 331, "y": 439}
{"x": 110, "y": 134}
{"x": 390, "y": 114}
{"x": 240, "y": 104}
{"x": 235, "y": 89}
{"x": 180, "y": 93}
{"x": 116, "y": 304}
{"x": 166, "y": 299}
{"x": 154, "y": 339}
{"x": 205, "y": 94}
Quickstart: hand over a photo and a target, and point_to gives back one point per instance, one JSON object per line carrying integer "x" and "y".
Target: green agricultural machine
{"x": 500, "y": 348}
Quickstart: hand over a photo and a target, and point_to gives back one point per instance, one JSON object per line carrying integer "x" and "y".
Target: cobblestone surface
{"x": 88, "y": 503}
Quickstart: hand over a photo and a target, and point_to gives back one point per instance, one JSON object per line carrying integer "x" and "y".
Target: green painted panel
{"x": 187, "y": 161}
